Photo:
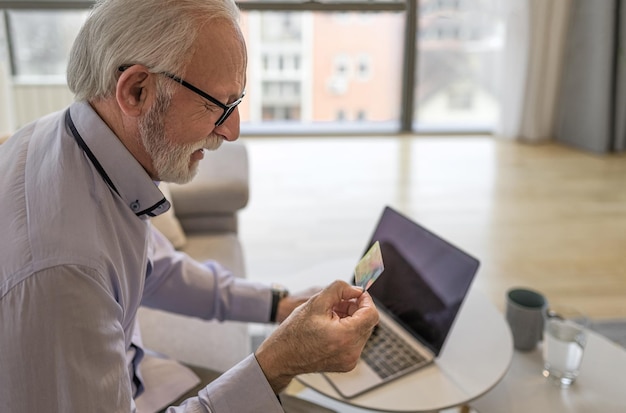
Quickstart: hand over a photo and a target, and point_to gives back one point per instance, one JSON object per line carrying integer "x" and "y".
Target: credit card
{"x": 369, "y": 267}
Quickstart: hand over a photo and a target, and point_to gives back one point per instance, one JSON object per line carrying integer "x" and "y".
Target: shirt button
{"x": 135, "y": 205}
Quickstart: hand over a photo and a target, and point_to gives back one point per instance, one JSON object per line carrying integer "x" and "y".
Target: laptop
{"x": 418, "y": 296}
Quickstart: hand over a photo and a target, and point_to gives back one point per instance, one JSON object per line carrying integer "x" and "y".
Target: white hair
{"x": 159, "y": 34}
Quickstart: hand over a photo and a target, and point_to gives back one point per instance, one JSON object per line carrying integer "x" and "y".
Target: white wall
{"x": 31, "y": 101}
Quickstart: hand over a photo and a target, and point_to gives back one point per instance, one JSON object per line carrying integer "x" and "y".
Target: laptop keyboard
{"x": 387, "y": 354}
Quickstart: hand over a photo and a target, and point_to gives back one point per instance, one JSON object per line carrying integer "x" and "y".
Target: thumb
{"x": 338, "y": 299}
{"x": 339, "y": 291}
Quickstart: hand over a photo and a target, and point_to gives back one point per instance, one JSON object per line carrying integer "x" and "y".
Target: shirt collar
{"x": 122, "y": 172}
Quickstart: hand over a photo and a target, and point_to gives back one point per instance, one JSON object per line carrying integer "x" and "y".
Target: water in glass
{"x": 563, "y": 349}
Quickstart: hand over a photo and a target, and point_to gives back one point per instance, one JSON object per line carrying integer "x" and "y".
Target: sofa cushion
{"x": 168, "y": 224}
{"x": 225, "y": 248}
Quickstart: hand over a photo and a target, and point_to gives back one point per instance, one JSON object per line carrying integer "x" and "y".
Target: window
{"x": 313, "y": 70}
{"x": 280, "y": 27}
{"x": 460, "y": 96}
{"x": 279, "y": 113}
{"x": 364, "y": 67}
{"x": 458, "y": 48}
{"x": 341, "y": 66}
{"x": 41, "y": 40}
{"x": 281, "y": 91}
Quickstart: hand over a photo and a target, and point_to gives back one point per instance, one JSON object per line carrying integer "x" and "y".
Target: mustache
{"x": 213, "y": 142}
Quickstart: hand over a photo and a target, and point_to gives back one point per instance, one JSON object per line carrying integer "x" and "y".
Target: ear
{"x": 135, "y": 90}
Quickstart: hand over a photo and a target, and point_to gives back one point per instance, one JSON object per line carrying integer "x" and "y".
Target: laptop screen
{"x": 425, "y": 278}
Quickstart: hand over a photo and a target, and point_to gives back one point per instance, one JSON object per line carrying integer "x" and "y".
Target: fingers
{"x": 346, "y": 290}
{"x": 349, "y": 307}
{"x": 366, "y": 302}
{"x": 356, "y": 316}
{"x": 344, "y": 300}
{"x": 346, "y": 308}
{"x": 337, "y": 292}
{"x": 327, "y": 333}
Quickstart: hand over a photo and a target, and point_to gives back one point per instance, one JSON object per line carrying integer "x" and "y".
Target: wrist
{"x": 271, "y": 367}
{"x": 278, "y": 293}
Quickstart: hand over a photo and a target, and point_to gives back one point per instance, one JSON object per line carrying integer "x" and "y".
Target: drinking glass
{"x": 564, "y": 343}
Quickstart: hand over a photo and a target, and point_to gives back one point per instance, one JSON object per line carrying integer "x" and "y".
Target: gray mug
{"x": 524, "y": 313}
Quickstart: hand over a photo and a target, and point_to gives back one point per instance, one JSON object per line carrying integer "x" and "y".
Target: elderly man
{"x": 78, "y": 255}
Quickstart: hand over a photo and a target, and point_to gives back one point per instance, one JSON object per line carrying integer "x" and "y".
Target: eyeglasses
{"x": 228, "y": 109}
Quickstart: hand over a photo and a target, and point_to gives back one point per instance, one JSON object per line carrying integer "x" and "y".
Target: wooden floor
{"x": 544, "y": 216}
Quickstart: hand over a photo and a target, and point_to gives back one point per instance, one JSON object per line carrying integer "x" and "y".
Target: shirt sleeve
{"x": 177, "y": 283}
{"x": 242, "y": 389}
{"x": 62, "y": 339}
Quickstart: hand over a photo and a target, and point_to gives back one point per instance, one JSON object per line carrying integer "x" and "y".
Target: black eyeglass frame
{"x": 228, "y": 109}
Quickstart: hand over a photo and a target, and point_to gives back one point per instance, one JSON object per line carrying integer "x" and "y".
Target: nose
{"x": 229, "y": 130}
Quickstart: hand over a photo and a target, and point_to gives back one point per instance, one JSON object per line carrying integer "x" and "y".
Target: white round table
{"x": 474, "y": 359}
{"x": 600, "y": 387}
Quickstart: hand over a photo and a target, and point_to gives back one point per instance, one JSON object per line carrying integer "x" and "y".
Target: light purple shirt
{"x": 78, "y": 256}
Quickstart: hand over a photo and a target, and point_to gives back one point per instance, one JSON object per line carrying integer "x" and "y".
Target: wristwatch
{"x": 278, "y": 293}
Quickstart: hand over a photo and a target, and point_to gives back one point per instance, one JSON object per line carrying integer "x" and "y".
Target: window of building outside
{"x": 363, "y": 67}
{"x": 329, "y": 71}
{"x": 457, "y": 75}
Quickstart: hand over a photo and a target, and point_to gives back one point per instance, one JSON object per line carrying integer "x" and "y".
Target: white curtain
{"x": 532, "y": 60}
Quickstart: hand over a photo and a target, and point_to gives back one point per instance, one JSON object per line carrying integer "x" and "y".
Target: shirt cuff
{"x": 252, "y": 301}
{"x": 242, "y": 389}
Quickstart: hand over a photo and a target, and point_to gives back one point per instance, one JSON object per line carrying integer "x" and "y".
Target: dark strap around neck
{"x": 90, "y": 155}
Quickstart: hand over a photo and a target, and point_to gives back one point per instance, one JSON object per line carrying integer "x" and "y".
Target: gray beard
{"x": 171, "y": 162}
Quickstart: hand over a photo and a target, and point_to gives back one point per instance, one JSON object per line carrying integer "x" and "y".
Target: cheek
{"x": 187, "y": 133}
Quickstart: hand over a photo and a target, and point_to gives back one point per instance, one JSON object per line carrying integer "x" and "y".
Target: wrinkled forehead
{"x": 220, "y": 48}
{"x": 221, "y": 40}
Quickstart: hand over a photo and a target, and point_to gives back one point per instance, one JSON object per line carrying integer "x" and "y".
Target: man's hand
{"x": 292, "y": 301}
{"x": 325, "y": 334}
